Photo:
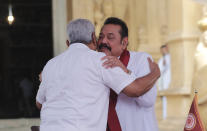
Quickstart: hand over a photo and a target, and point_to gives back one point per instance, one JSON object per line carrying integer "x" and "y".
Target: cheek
{"x": 114, "y": 44}
{"x": 99, "y": 42}
{"x": 115, "y": 48}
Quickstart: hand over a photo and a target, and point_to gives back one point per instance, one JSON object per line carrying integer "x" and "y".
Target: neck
{"x": 165, "y": 54}
{"x": 123, "y": 52}
{"x": 91, "y": 46}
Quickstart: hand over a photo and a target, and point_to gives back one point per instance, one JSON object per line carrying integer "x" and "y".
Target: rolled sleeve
{"x": 148, "y": 99}
{"x": 42, "y": 89}
{"x": 41, "y": 94}
{"x": 117, "y": 79}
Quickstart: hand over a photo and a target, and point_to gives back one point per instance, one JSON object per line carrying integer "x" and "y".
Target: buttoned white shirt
{"x": 74, "y": 90}
{"x": 138, "y": 114}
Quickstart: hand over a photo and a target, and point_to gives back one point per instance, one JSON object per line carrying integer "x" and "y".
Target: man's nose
{"x": 104, "y": 40}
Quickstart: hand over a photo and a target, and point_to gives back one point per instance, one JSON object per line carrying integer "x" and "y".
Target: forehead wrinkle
{"x": 110, "y": 33}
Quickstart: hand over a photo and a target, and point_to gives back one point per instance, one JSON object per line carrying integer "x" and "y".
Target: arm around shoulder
{"x": 143, "y": 84}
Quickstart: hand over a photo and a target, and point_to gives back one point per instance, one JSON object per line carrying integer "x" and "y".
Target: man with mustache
{"x": 74, "y": 92}
{"x": 127, "y": 113}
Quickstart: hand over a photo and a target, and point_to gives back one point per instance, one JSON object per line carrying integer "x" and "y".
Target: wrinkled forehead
{"x": 110, "y": 29}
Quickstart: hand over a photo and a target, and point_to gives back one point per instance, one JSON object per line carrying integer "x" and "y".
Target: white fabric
{"x": 138, "y": 114}
{"x": 164, "y": 80}
{"x": 164, "y": 107}
{"x": 74, "y": 92}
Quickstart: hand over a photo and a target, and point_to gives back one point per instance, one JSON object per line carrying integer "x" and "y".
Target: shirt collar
{"x": 79, "y": 45}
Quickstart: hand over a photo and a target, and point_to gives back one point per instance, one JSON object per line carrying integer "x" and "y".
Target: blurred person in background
{"x": 165, "y": 78}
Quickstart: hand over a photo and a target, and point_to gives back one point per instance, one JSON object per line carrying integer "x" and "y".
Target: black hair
{"x": 116, "y": 21}
{"x": 163, "y": 46}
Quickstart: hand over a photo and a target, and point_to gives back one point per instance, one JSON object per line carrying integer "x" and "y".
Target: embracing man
{"x": 127, "y": 113}
{"x": 74, "y": 91}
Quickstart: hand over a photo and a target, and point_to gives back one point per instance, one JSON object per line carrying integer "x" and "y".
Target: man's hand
{"x": 112, "y": 61}
{"x": 154, "y": 68}
{"x": 143, "y": 84}
{"x": 39, "y": 106}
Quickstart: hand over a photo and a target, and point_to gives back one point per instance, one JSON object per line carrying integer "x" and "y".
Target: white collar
{"x": 79, "y": 45}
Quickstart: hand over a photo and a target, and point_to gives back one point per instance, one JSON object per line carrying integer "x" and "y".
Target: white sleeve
{"x": 42, "y": 89}
{"x": 149, "y": 98}
{"x": 116, "y": 78}
{"x": 168, "y": 62}
{"x": 160, "y": 64}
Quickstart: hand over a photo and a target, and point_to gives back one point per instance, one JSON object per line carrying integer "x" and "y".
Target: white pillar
{"x": 59, "y": 12}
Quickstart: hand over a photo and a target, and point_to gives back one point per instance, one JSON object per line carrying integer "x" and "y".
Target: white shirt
{"x": 74, "y": 92}
{"x": 138, "y": 114}
{"x": 165, "y": 78}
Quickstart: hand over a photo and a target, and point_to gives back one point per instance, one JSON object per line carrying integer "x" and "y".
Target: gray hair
{"x": 80, "y": 31}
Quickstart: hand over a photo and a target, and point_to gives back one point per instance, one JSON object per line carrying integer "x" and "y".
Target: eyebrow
{"x": 110, "y": 34}
{"x": 106, "y": 34}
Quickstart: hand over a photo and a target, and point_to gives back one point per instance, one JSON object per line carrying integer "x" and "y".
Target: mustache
{"x": 102, "y": 45}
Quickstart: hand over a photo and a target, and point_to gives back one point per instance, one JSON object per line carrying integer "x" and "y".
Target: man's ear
{"x": 124, "y": 42}
{"x": 94, "y": 39}
{"x": 67, "y": 43}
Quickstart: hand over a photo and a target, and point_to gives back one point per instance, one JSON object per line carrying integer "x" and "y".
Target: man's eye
{"x": 110, "y": 37}
{"x": 100, "y": 37}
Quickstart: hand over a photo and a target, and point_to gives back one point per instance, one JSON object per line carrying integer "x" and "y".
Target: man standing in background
{"x": 165, "y": 78}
